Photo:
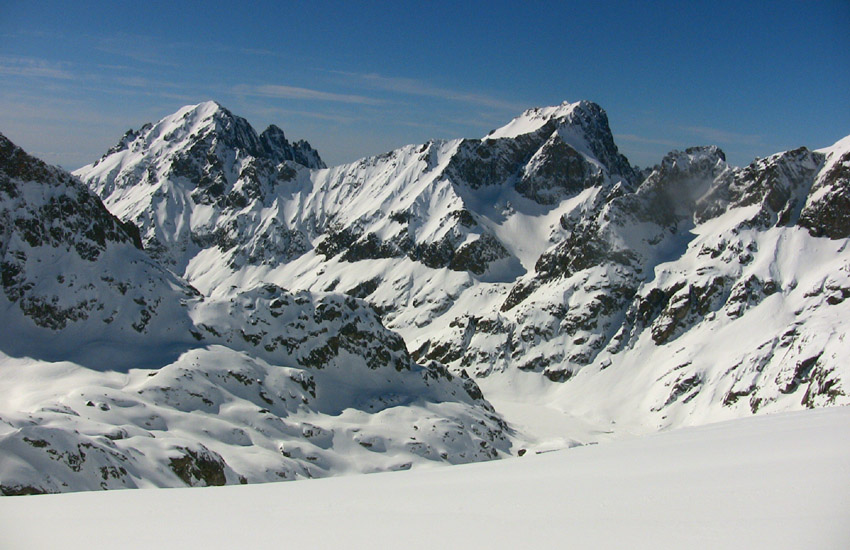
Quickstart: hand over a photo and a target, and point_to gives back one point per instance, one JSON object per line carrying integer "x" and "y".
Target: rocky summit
{"x": 209, "y": 305}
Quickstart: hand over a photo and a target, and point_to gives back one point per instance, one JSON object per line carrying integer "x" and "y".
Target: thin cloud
{"x": 133, "y": 81}
{"x": 266, "y": 111}
{"x": 723, "y": 136}
{"x": 293, "y": 92}
{"x": 260, "y": 52}
{"x": 113, "y": 67}
{"x": 646, "y": 140}
{"x": 130, "y": 82}
{"x": 411, "y": 86}
{"x": 56, "y": 111}
{"x": 32, "y": 67}
{"x": 155, "y": 52}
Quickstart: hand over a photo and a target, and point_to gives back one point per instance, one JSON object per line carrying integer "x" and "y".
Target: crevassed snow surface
{"x": 775, "y": 481}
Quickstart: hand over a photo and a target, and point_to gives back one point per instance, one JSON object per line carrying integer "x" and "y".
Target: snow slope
{"x": 776, "y": 481}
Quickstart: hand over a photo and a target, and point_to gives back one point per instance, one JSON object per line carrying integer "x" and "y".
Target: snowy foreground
{"x": 775, "y": 481}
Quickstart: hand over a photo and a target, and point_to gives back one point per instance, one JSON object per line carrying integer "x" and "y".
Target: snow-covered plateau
{"x": 206, "y": 305}
{"x": 773, "y": 481}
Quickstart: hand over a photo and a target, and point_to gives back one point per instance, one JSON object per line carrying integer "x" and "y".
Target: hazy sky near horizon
{"x": 362, "y": 78}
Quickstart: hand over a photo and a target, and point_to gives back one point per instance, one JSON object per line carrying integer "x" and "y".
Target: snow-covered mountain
{"x": 117, "y": 373}
{"x": 194, "y": 173}
{"x": 585, "y": 298}
{"x": 539, "y": 249}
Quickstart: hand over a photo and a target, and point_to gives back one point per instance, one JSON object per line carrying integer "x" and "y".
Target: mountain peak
{"x": 274, "y": 145}
{"x": 211, "y": 116}
{"x": 273, "y": 130}
{"x": 15, "y": 163}
{"x": 582, "y": 125}
{"x": 535, "y": 118}
{"x": 207, "y": 125}
{"x": 204, "y": 110}
{"x": 205, "y": 114}
{"x": 208, "y": 106}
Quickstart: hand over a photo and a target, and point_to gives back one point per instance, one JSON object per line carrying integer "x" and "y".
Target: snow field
{"x": 775, "y": 481}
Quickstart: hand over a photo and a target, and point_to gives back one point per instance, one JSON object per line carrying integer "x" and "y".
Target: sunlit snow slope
{"x": 776, "y": 481}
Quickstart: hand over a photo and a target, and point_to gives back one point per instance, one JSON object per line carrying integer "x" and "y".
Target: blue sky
{"x": 361, "y": 78}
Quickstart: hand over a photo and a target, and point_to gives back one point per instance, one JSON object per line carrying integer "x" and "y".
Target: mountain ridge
{"x": 433, "y": 206}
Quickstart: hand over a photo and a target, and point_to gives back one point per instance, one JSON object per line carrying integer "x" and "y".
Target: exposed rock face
{"x": 276, "y": 147}
{"x": 778, "y": 185}
{"x": 584, "y": 120}
{"x": 330, "y": 331}
{"x": 66, "y": 259}
{"x": 555, "y": 171}
{"x": 356, "y": 211}
{"x": 568, "y": 148}
{"x": 478, "y": 215}
{"x": 199, "y": 467}
{"x": 65, "y": 213}
{"x": 629, "y": 269}
{"x": 827, "y": 210}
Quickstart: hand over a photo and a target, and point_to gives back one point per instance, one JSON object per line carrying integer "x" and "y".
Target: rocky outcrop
{"x": 569, "y": 149}
{"x": 66, "y": 259}
{"x": 276, "y": 147}
{"x": 557, "y": 171}
{"x": 827, "y": 210}
{"x": 778, "y": 185}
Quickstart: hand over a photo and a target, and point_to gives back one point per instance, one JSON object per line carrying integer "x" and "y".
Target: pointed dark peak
{"x": 273, "y": 132}
{"x": 277, "y": 148}
{"x": 593, "y": 121}
{"x": 273, "y": 143}
{"x": 306, "y": 155}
